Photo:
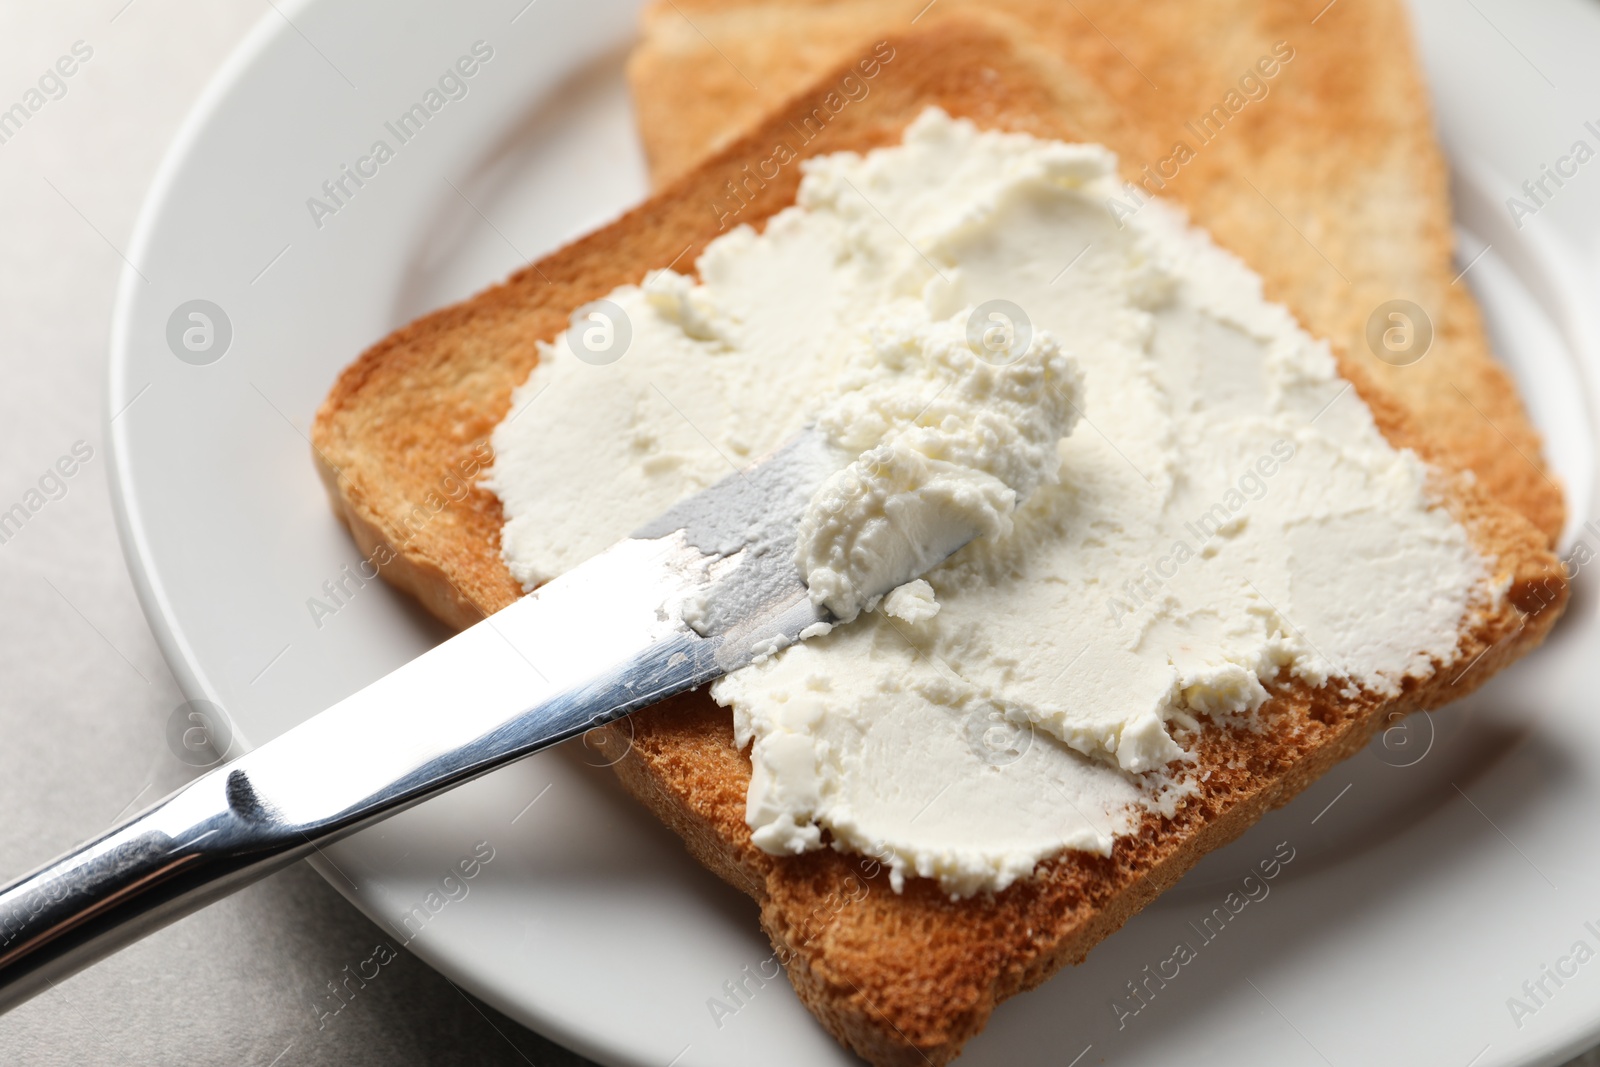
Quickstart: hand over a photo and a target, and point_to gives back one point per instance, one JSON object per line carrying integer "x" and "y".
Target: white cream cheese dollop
{"x": 948, "y": 441}
{"x": 1225, "y": 516}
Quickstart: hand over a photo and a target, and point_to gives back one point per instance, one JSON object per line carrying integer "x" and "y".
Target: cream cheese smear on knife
{"x": 1177, "y": 501}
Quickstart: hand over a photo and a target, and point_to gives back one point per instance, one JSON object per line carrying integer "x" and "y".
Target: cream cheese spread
{"x": 945, "y": 441}
{"x": 1225, "y": 515}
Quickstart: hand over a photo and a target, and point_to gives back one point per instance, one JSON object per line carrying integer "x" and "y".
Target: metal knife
{"x": 601, "y": 641}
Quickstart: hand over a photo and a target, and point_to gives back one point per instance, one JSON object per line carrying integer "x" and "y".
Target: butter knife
{"x": 601, "y": 641}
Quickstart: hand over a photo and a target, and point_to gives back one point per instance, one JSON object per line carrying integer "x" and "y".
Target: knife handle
{"x": 228, "y": 828}
{"x": 201, "y": 843}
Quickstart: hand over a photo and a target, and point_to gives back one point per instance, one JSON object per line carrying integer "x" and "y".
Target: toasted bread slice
{"x": 901, "y": 978}
{"x": 1327, "y": 178}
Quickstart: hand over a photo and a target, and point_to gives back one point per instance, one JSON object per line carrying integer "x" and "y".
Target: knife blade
{"x": 603, "y": 640}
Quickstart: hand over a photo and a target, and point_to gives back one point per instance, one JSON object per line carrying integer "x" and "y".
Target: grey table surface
{"x": 86, "y": 695}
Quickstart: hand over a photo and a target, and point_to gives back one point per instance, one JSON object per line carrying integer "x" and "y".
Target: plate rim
{"x": 154, "y": 602}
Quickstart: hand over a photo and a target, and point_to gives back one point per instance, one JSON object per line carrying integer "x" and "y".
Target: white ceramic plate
{"x": 1432, "y": 876}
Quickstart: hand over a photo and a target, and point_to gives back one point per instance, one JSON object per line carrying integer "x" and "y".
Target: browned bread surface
{"x": 1330, "y": 184}
{"x": 900, "y": 978}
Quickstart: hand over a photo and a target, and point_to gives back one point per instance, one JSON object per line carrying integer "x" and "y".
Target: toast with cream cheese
{"x": 899, "y": 977}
